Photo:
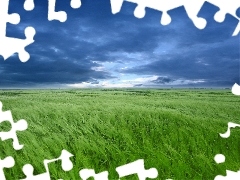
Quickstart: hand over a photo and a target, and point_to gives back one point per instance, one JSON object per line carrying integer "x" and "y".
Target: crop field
{"x": 175, "y": 131}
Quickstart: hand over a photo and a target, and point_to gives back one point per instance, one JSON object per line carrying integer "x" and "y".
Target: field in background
{"x": 175, "y": 131}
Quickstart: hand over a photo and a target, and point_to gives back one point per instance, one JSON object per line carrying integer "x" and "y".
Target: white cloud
{"x": 185, "y": 82}
{"x": 98, "y": 68}
{"x": 141, "y": 80}
{"x": 103, "y": 84}
{"x": 116, "y": 83}
{"x": 123, "y": 82}
{"x": 56, "y": 50}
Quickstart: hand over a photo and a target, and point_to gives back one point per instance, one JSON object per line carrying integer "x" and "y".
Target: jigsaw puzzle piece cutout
{"x": 236, "y": 89}
{"x": 228, "y": 132}
{"x": 75, "y": 4}
{"x": 14, "y": 45}
{"x": 29, "y": 5}
{"x": 66, "y": 164}
{"x": 137, "y": 167}
{"x": 53, "y": 15}
{"x": 209, "y": 10}
{"x": 220, "y": 158}
{"x": 8, "y": 162}
{"x": 180, "y": 19}
{"x": 140, "y": 10}
{"x": 87, "y": 173}
{"x": 225, "y": 7}
{"x": 60, "y": 15}
{"x": 225, "y": 29}
{"x": 28, "y": 171}
{"x": 192, "y": 9}
{"x": 230, "y": 175}
{"x": 116, "y": 6}
{"x": 20, "y": 125}
{"x": 9, "y": 46}
{"x": 237, "y": 30}
{"x": 238, "y": 12}
{"x": 13, "y": 18}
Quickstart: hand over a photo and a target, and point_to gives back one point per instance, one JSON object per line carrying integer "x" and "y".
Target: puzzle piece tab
{"x": 138, "y": 168}
{"x": 21, "y": 125}
{"x": 227, "y": 133}
{"x": 87, "y": 173}
{"x": 8, "y": 162}
{"x": 9, "y": 46}
{"x": 236, "y": 89}
{"x": 220, "y": 158}
{"x": 192, "y": 9}
{"x": 29, "y": 5}
{"x": 225, "y": 7}
{"x": 230, "y": 175}
{"x": 61, "y": 15}
{"x": 66, "y": 166}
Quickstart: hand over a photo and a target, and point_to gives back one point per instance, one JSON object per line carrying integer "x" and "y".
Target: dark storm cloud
{"x": 211, "y": 55}
{"x": 163, "y": 80}
{"x": 50, "y": 72}
{"x": 214, "y": 64}
{"x": 67, "y": 53}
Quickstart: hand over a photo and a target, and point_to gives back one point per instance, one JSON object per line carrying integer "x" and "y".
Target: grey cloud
{"x": 65, "y": 52}
{"x": 163, "y": 80}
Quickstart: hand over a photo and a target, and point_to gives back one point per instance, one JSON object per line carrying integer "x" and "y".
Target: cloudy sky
{"x": 95, "y": 48}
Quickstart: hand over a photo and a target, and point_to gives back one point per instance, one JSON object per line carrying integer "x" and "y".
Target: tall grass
{"x": 175, "y": 131}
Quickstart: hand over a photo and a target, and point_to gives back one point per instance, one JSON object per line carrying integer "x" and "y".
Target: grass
{"x": 175, "y": 131}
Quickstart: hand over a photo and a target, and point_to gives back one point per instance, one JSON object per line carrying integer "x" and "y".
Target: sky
{"x": 95, "y": 48}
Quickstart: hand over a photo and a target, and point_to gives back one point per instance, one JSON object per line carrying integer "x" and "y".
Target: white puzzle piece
{"x": 8, "y": 162}
{"x": 192, "y": 9}
{"x": 137, "y": 167}
{"x": 66, "y": 164}
{"x": 20, "y": 125}
{"x": 87, "y": 173}
{"x": 9, "y": 46}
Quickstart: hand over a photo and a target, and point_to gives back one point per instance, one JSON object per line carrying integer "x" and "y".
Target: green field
{"x": 176, "y": 130}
